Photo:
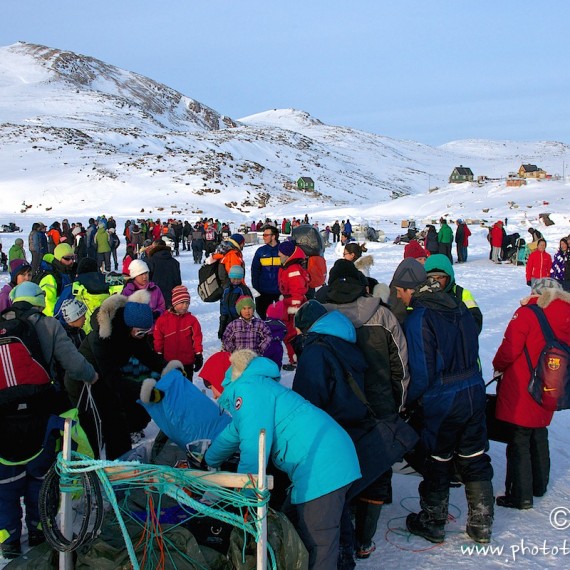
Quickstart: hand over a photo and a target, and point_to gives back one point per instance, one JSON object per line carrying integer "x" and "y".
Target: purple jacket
{"x": 253, "y": 335}
{"x": 5, "y": 297}
{"x": 157, "y": 303}
{"x": 275, "y": 349}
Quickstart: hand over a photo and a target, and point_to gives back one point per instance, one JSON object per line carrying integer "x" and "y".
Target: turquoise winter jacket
{"x": 305, "y": 442}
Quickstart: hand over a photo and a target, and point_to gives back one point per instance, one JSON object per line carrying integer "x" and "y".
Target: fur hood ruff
{"x": 547, "y": 297}
{"x": 112, "y": 304}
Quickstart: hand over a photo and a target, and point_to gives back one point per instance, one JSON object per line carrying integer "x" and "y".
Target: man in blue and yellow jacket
{"x": 265, "y": 269}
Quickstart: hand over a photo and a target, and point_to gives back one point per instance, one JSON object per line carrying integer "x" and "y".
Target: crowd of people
{"x": 363, "y": 353}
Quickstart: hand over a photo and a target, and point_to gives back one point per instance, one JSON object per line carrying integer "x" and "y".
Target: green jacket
{"x": 445, "y": 234}
{"x": 102, "y": 241}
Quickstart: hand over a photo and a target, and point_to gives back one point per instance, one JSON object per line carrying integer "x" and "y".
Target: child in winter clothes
{"x": 275, "y": 321}
{"x": 247, "y": 332}
{"x": 20, "y": 271}
{"x": 232, "y": 293}
{"x": 139, "y": 272}
{"x": 178, "y": 335}
{"x": 560, "y": 270}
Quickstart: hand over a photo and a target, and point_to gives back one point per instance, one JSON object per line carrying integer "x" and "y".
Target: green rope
{"x": 172, "y": 482}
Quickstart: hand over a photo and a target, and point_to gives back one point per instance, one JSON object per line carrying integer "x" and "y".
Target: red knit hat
{"x": 215, "y": 369}
{"x": 415, "y": 250}
{"x": 179, "y": 295}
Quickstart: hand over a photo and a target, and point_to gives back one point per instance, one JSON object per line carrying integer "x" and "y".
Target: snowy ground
{"x": 519, "y": 534}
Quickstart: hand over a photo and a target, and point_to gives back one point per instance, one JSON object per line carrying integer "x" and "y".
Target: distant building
{"x": 516, "y": 181}
{"x": 305, "y": 183}
{"x": 531, "y": 171}
{"x": 461, "y": 174}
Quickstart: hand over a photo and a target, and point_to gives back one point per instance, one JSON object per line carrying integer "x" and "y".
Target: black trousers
{"x": 528, "y": 463}
{"x": 263, "y": 301}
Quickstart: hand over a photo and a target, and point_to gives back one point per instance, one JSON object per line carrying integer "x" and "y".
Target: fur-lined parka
{"x": 305, "y": 442}
{"x": 514, "y": 403}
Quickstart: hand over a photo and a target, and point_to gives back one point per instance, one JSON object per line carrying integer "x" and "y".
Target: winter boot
{"x": 11, "y": 550}
{"x": 429, "y": 523}
{"x": 366, "y": 520}
{"x": 480, "y": 501}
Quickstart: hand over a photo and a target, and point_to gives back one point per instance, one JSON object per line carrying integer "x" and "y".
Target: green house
{"x": 461, "y": 174}
{"x": 305, "y": 183}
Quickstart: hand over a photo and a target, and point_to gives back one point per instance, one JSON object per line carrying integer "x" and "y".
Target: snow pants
{"x": 528, "y": 464}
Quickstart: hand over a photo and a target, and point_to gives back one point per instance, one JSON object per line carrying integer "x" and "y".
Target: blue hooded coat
{"x": 305, "y": 442}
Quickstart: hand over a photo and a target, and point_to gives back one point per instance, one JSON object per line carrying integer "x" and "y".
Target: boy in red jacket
{"x": 178, "y": 335}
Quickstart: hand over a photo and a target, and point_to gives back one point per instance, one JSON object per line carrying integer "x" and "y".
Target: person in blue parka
{"x": 305, "y": 442}
{"x": 446, "y": 381}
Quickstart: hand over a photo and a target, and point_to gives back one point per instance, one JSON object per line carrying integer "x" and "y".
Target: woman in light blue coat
{"x": 305, "y": 442}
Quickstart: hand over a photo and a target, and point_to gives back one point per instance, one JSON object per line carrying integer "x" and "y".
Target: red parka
{"x": 538, "y": 265}
{"x": 497, "y": 234}
{"x": 178, "y": 337}
{"x": 514, "y": 403}
{"x": 293, "y": 280}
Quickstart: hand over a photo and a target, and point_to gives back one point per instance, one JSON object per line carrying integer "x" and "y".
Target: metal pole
{"x": 262, "y": 509}
{"x": 66, "y": 558}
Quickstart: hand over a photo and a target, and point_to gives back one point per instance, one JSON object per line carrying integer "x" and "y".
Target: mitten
{"x": 198, "y": 361}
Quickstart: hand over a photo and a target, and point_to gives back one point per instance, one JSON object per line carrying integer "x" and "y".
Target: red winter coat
{"x": 497, "y": 235}
{"x": 178, "y": 337}
{"x": 514, "y": 403}
{"x": 293, "y": 281}
{"x": 466, "y": 234}
{"x": 538, "y": 265}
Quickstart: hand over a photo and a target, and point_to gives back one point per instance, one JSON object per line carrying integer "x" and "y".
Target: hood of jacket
{"x": 441, "y": 262}
{"x": 297, "y": 256}
{"x": 430, "y": 296}
{"x": 365, "y": 262}
{"x": 335, "y": 324}
{"x": 547, "y": 296}
{"x": 360, "y": 311}
{"x": 94, "y": 282}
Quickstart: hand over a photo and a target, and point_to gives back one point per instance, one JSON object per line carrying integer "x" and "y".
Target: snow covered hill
{"x": 77, "y": 133}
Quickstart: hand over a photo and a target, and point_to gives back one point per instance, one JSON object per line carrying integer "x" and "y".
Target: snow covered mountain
{"x": 76, "y": 133}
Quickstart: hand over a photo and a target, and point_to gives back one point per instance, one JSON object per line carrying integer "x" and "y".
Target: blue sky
{"x": 430, "y": 71}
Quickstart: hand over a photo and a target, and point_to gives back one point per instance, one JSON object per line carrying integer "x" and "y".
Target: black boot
{"x": 11, "y": 550}
{"x": 366, "y": 522}
{"x": 481, "y": 502}
{"x": 429, "y": 523}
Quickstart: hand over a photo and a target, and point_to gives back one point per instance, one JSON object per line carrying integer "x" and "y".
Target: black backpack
{"x": 550, "y": 379}
{"x": 212, "y": 278}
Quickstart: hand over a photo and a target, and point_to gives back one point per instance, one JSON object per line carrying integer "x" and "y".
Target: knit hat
{"x": 277, "y": 311}
{"x": 244, "y": 301}
{"x": 238, "y": 238}
{"x": 30, "y": 292}
{"x": 539, "y": 286}
{"x": 138, "y": 316}
{"x": 236, "y": 272}
{"x": 63, "y": 250}
{"x": 409, "y": 274}
{"x": 308, "y": 314}
{"x": 179, "y": 295}
{"x": 215, "y": 369}
{"x": 18, "y": 266}
{"x": 72, "y": 310}
{"x": 287, "y": 247}
{"x": 137, "y": 267}
{"x": 415, "y": 250}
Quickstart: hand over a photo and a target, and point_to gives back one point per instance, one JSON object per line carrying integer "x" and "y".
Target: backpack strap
{"x": 547, "y": 331}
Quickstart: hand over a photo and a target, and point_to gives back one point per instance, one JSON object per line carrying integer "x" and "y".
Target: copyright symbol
{"x": 560, "y": 518}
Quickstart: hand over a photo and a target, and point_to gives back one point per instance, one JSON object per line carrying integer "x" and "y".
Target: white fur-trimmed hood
{"x": 110, "y": 306}
{"x": 547, "y": 297}
{"x": 240, "y": 360}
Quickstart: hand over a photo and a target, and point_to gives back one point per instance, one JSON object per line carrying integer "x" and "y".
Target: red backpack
{"x": 317, "y": 269}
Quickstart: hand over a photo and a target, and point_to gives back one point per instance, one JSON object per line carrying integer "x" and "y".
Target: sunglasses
{"x": 141, "y": 333}
{"x": 267, "y": 235}
{"x": 68, "y": 258}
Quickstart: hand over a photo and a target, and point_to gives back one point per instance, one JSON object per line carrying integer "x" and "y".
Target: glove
{"x": 528, "y": 283}
{"x": 198, "y": 361}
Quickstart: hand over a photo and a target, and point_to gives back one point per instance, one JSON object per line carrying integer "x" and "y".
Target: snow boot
{"x": 429, "y": 523}
{"x": 481, "y": 502}
{"x": 366, "y": 521}
{"x": 11, "y": 550}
